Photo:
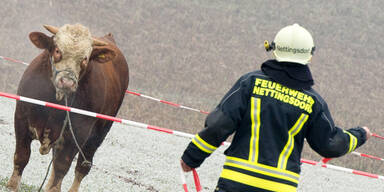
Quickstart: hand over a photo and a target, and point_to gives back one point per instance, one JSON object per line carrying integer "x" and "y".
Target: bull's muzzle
{"x": 65, "y": 84}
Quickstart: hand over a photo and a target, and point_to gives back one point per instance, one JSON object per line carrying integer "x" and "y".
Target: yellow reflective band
{"x": 352, "y": 141}
{"x": 288, "y": 148}
{"x": 255, "y": 119}
{"x": 202, "y": 145}
{"x": 262, "y": 169}
{"x": 256, "y": 182}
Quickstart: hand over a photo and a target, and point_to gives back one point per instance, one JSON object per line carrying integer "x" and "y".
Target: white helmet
{"x": 292, "y": 43}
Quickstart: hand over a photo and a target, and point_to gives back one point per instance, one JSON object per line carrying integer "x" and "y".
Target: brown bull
{"x": 93, "y": 74}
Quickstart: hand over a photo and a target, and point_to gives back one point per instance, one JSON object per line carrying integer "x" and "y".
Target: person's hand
{"x": 184, "y": 166}
{"x": 369, "y": 133}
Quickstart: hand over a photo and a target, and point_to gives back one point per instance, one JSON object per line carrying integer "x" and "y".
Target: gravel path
{"x": 134, "y": 159}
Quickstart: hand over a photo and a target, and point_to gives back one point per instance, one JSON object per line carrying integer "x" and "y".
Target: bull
{"x": 91, "y": 74}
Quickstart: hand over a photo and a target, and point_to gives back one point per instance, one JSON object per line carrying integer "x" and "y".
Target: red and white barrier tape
{"x": 366, "y": 155}
{"x": 325, "y": 160}
{"x": 197, "y": 180}
{"x": 159, "y": 100}
{"x": 136, "y": 124}
{"x": 183, "y": 182}
{"x": 92, "y": 114}
{"x": 193, "y": 109}
{"x": 378, "y": 136}
{"x": 142, "y": 125}
{"x": 101, "y": 116}
{"x": 13, "y": 60}
{"x": 343, "y": 169}
{"x": 177, "y": 105}
{"x": 166, "y": 102}
{"x": 357, "y": 154}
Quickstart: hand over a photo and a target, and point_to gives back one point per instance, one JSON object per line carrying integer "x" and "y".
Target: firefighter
{"x": 271, "y": 111}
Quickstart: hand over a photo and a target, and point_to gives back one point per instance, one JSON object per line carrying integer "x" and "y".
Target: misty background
{"x": 192, "y": 51}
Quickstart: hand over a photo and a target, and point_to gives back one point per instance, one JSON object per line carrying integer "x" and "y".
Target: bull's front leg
{"x": 82, "y": 170}
{"x": 62, "y": 160}
{"x": 89, "y": 149}
{"x": 22, "y": 151}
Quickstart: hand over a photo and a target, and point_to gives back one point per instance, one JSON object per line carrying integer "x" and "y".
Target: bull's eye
{"x": 57, "y": 54}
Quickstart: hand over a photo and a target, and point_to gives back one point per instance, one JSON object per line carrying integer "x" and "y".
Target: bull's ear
{"x": 40, "y": 40}
{"x": 102, "y": 54}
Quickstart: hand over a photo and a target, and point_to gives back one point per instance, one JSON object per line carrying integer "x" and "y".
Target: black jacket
{"x": 270, "y": 121}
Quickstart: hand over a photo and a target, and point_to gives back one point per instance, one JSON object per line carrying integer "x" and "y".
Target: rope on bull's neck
{"x": 67, "y": 120}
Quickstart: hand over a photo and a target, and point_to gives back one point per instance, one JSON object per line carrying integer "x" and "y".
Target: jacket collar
{"x": 292, "y": 75}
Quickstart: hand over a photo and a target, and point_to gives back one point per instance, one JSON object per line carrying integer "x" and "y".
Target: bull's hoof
{"x": 53, "y": 189}
{"x": 13, "y": 184}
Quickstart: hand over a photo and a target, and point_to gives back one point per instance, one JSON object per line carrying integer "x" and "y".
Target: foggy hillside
{"x": 192, "y": 51}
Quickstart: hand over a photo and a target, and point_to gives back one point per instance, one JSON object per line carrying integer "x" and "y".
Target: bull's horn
{"x": 51, "y": 28}
{"x": 97, "y": 42}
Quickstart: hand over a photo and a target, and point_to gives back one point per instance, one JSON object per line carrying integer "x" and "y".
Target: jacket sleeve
{"x": 330, "y": 141}
{"x": 219, "y": 124}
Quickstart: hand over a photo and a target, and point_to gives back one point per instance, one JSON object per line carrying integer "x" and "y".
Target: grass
{"x": 23, "y": 187}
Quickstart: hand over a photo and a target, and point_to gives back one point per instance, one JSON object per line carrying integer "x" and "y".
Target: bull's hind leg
{"x": 22, "y": 151}
{"x": 89, "y": 150}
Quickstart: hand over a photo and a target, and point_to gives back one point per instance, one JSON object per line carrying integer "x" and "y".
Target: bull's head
{"x": 70, "y": 50}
